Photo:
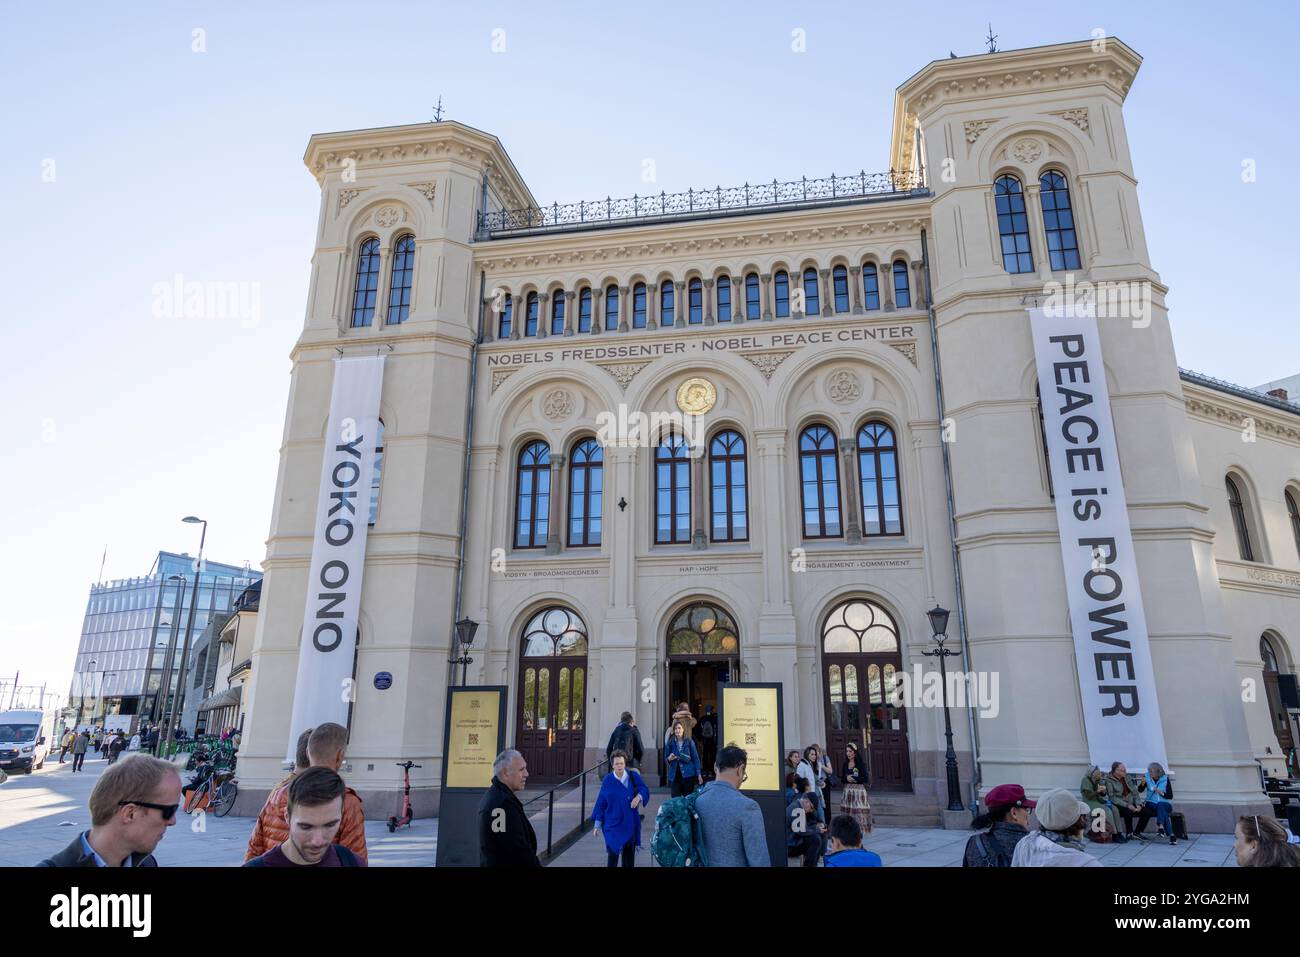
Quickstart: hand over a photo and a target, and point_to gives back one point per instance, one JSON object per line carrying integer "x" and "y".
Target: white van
{"x": 25, "y": 739}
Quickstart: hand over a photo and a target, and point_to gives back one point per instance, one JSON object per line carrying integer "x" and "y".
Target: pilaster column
{"x": 766, "y": 279}
{"x": 853, "y": 524}
{"x": 515, "y": 330}
{"x": 624, "y": 307}
{"x": 768, "y": 506}
{"x": 381, "y": 294}
{"x": 918, "y": 285}
{"x": 597, "y": 311}
{"x": 708, "y": 302}
{"x": 491, "y": 319}
{"x": 1037, "y": 232}
{"x": 828, "y": 294}
{"x": 680, "y": 306}
{"x": 570, "y": 312}
{"x": 556, "y": 518}
{"x": 699, "y": 537}
{"x": 543, "y": 315}
{"x": 886, "y": 283}
{"x": 855, "y": 280}
{"x": 797, "y": 294}
{"x": 652, "y": 306}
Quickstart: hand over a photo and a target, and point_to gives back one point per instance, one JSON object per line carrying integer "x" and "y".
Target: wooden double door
{"x": 861, "y": 708}
{"x": 551, "y": 719}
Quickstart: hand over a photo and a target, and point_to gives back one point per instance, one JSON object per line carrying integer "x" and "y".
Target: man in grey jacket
{"x": 731, "y": 824}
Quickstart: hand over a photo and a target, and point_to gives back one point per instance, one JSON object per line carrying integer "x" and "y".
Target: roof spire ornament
{"x": 992, "y": 40}
{"x": 437, "y": 111}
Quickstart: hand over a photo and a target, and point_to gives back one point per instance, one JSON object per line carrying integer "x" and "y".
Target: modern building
{"x": 129, "y": 626}
{"x": 856, "y": 358}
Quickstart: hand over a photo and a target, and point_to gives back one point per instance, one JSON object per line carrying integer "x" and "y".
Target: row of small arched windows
{"x": 1058, "y": 223}
{"x": 1238, "y": 506}
{"x": 726, "y": 488}
{"x": 750, "y": 304}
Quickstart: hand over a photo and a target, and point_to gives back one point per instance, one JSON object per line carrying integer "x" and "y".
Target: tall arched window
{"x": 882, "y": 512}
{"x": 781, "y": 284}
{"x": 586, "y": 485}
{"x": 902, "y": 292}
{"x": 702, "y": 629}
{"x": 819, "y": 478}
{"x": 1293, "y": 511}
{"x": 840, "y": 284}
{"x": 811, "y": 296}
{"x": 1238, "y": 508}
{"x": 557, "y": 312}
{"x": 530, "y": 315}
{"x": 584, "y": 310}
{"x": 367, "y": 285}
{"x": 1013, "y": 225}
{"x": 694, "y": 302}
{"x": 728, "y": 491}
{"x": 1058, "y": 221}
{"x": 638, "y": 306}
{"x": 533, "y": 496}
{"x": 376, "y": 473}
{"x": 672, "y": 491}
{"x": 870, "y": 286}
{"x": 611, "y": 307}
{"x": 506, "y": 321}
{"x": 399, "y": 291}
{"x": 724, "y": 299}
{"x": 667, "y": 303}
{"x": 753, "y": 304}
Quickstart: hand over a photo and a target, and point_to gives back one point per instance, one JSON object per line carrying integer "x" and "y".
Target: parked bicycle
{"x": 216, "y": 795}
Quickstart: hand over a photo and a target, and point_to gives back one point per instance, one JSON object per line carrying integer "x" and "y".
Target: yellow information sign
{"x": 751, "y": 720}
{"x": 472, "y": 739}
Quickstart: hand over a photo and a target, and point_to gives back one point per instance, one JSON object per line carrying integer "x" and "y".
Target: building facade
{"x": 651, "y": 445}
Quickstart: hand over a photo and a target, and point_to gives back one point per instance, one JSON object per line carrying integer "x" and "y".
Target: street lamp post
{"x": 465, "y": 629}
{"x": 163, "y": 699}
{"x": 179, "y": 707}
{"x": 939, "y": 626}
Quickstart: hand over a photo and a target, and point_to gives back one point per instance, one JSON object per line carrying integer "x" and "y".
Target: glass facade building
{"x": 128, "y": 625}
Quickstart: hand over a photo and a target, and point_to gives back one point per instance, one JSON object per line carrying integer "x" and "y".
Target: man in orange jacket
{"x": 325, "y": 748}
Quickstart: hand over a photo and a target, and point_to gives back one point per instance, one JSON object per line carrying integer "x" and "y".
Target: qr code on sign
{"x": 473, "y": 739}
{"x": 751, "y": 739}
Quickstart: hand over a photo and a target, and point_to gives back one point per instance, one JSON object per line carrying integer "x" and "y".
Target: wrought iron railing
{"x": 574, "y": 825}
{"x": 695, "y": 203}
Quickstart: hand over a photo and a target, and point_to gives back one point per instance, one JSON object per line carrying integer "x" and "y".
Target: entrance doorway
{"x": 551, "y": 717}
{"x": 860, "y": 665}
{"x": 703, "y": 652}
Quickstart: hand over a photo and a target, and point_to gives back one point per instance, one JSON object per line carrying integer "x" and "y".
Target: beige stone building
{"x": 832, "y": 500}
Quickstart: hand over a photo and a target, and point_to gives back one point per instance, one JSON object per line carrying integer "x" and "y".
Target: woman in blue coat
{"x": 683, "y": 760}
{"x": 617, "y": 813}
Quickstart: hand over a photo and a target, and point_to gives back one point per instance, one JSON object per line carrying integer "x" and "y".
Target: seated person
{"x": 1157, "y": 782}
{"x": 805, "y": 824}
{"x": 846, "y": 845}
{"x": 202, "y": 771}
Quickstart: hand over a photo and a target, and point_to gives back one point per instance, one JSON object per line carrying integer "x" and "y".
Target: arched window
{"x": 584, "y": 310}
{"x": 1293, "y": 511}
{"x": 702, "y": 629}
{"x": 1058, "y": 221}
{"x": 1013, "y": 225}
{"x": 1267, "y": 654}
{"x": 367, "y": 285}
{"x": 819, "y": 478}
{"x": 728, "y": 491}
{"x": 1238, "y": 508}
{"x": 724, "y": 299}
{"x": 870, "y": 286}
{"x": 666, "y": 304}
{"x": 586, "y": 484}
{"x": 781, "y": 281}
{"x": 882, "y": 513}
{"x": 377, "y": 473}
{"x": 753, "y": 304}
{"x": 840, "y": 283}
{"x": 902, "y": 292}
{"x": 811, "y": 297}
{"x": 694, "y": 302}
{"x": 530, "y": 315}
{"x": 557, "y": 312}
{"x": 533, "y": 496}
{"x": 399, "y": 291}
{"x": 859, "y": 627}
{"x": 555, "y": 633}
{"x": 672, "y": 491}
{"x": 506, "y": 321}
{"x": 611, "y": 307}
{"x": 638, "y": 306}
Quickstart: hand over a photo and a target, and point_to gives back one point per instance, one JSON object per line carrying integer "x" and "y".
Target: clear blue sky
{"x": 169, "y": 161}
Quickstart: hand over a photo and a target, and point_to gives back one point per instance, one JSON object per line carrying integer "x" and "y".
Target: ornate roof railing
{"x": 701, "y": 203}
{"x": 1241, "y": 392}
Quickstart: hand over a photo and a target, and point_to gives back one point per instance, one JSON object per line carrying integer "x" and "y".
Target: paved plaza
{"x": 41, "y": 812}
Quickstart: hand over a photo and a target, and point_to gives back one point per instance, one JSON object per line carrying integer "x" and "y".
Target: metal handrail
{"x": 554, "y": 847}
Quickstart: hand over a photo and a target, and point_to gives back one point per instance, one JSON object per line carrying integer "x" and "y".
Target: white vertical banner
{"x": 1116, "y": 679}
{"x": 323, "y": 688}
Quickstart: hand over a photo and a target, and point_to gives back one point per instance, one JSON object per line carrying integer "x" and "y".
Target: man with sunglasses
{"x": 132, "y": 805}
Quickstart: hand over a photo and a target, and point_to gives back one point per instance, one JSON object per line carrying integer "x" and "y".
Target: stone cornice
{"x": 404, "y": 146}
{"x": 1222, "y": 409}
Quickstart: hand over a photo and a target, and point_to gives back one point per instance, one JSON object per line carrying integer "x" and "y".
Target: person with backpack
{"x": 708, "y": 740}
{"x": 1058, "y": 842}
{"x": 315, "y": 813}
{"x": 618, "y": 810}
{"x": 626, "y": 738}
{"x": 1006, "y": 821}
{"x": 730, "y": 823}
{"x": 805, "y": 825}
{"x": 683, "y": 760}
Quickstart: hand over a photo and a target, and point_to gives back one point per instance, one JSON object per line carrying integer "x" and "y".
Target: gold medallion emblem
{"x": 696, "y": 396}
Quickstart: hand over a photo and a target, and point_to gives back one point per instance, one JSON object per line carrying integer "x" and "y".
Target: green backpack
{"x": 677, "y": 841}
